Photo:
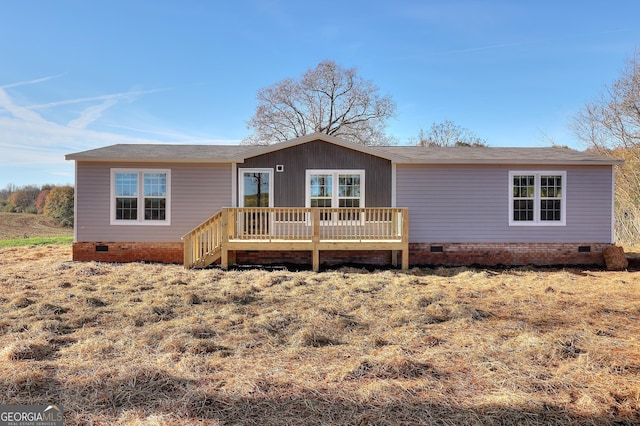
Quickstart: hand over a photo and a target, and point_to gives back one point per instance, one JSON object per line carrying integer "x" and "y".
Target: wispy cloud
{"x": 25, "y": 83}
{"x": 33, "y": 152}
{"x": 91, "y": 114}
{"x": 539, "y": 41}
{"x": 130, "y": 95}
{"x": 421, "y": 53}
{"x": 178, "y": 137}
{"x": 17, "y": 111}
{"x": 32, "y": 145}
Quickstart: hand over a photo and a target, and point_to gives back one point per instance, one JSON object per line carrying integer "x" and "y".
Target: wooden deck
{"x": 297, "y": 228}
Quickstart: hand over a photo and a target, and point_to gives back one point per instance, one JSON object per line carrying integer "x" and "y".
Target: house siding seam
{"x": 420, "y": 254}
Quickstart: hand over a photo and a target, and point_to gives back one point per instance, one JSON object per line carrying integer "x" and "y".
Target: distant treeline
{"x": 55, "y": 202}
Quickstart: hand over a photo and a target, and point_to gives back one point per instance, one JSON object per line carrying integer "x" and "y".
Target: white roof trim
{"x": 506, "y": 161}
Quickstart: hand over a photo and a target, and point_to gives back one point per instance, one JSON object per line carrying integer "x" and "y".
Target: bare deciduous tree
{"x": 613, "y": 120}
{"x": 610, "y": 125}
{"x": 449, "y": 133}
{"x": 328, "y": 99}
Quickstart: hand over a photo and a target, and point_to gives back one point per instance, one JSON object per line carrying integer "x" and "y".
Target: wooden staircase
{"x": 203, "y": 244}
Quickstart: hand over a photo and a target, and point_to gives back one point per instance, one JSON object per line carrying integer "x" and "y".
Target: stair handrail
{"x": 203, "y": 240}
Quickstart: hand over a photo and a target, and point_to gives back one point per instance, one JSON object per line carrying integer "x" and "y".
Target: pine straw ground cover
{"x": 147, "y": 344}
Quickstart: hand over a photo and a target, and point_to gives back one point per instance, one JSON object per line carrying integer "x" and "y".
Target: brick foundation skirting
{"x": 128, "y": 252}
{"x": 447, "y": 254}
{"x": 507, "y": 254}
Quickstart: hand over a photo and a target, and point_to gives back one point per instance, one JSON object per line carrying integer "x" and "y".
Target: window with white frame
{"x": 537, "y": 198}
{"x": 334, "y": 188}
{"x": 140, "y": 197}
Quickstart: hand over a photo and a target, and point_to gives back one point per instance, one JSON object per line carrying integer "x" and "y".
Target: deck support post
{"x": 405, "y": 239}
{"x": 316, "y": 259}
{"x": 224, "y": 257}
{"x": 405, "y": 259}
{"x": 316, "y": 240}
{"x": 394, "y": 258}
{"x": 187, "y": 249}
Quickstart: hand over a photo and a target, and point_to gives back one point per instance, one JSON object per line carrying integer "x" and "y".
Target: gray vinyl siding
{"x": 289, "y": 185}
{"x": 197, "y": 192}
{"x": 471, "y": 204}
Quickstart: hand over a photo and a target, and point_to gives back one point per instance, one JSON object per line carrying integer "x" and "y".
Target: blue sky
{"x": 77, "y": 75}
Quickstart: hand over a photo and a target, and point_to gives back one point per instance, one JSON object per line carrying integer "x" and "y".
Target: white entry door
{"x": 256, "y": 190}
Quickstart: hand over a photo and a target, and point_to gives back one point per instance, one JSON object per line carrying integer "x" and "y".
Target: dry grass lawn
{"x": 147, "y": 344}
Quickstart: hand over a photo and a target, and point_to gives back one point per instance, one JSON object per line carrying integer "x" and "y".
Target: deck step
{"x": 208, "y": 259}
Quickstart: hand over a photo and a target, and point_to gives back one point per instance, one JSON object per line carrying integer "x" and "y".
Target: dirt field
{"x": 24, "y": 225}
{"x": 147, "y": 344}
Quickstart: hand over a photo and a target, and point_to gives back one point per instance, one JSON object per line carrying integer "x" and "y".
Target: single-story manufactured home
{"x": 321, "y": 200}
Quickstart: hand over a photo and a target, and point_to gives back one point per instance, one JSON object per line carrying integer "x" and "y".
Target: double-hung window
{"x": 140, "y": 197}
{"x": 335, "y": 188}
{"x": 537, "y": 198}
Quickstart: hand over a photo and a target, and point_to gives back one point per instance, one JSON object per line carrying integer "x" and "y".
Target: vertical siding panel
{"x": 289, "y": 190}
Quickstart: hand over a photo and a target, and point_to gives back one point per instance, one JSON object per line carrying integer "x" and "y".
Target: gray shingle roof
{"x": 162, "y": 153}
{"x": 398, "y": 154}
{"x": 490, "y": 155}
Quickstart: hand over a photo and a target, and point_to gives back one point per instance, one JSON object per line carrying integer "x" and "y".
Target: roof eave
{"x": 102, "y": 159}
{"x": 613, "y": 162}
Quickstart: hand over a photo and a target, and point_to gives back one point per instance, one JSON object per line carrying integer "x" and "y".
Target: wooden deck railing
{"x": 296, "y": 228}
{"x": 203, "y": 242}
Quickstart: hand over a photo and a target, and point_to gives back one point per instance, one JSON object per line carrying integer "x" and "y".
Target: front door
{"x": 256, "y": 190}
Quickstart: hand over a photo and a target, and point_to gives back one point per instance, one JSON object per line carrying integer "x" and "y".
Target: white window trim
{"x": 141, "y": 197}
{"x": 241, "y": 173}
{"x": 335, "y": 198}
{"x": 536, "y": 203}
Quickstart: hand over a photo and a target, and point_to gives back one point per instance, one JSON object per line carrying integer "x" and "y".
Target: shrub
{"x": 41, "y": 200}
{"x": 24, "y": 200}
{"x": 59, "y": 205}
